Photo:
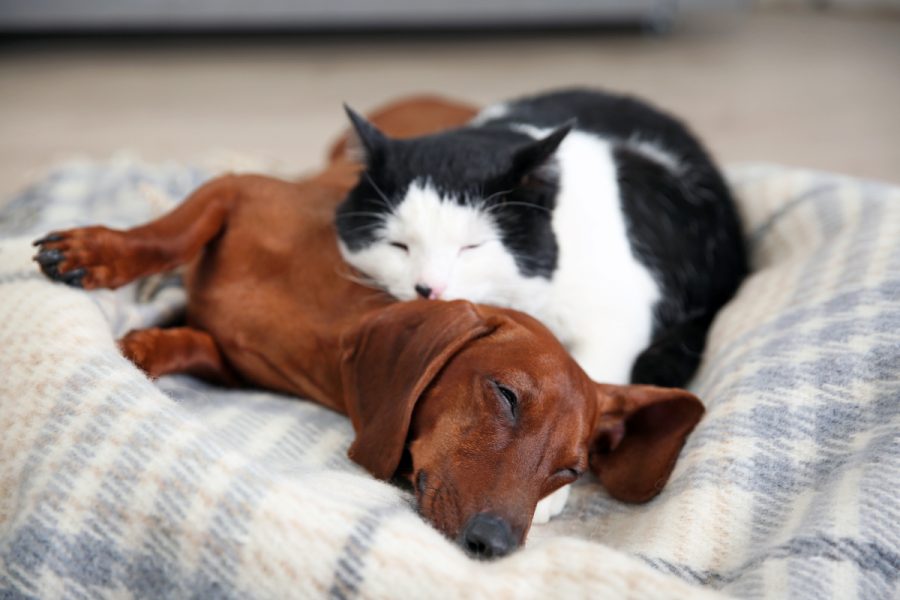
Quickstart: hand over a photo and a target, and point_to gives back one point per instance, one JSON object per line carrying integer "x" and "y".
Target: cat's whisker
{"x": 382, "y": 202}
{"x": 362, "y": 280}
{"x": 525, "y": 204}
{"x": 501, "y": 193}
{"x": 362, "y": 228}
{"x": 346, "y": 215}
{"x": 387, "y": 203}
{"x": 376, "y": 225}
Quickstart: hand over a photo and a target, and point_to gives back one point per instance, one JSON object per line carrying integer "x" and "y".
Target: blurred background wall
{"x": 803, "y": 82}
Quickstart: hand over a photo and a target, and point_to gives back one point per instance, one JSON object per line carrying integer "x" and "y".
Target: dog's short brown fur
{"x": 425, "y": 383}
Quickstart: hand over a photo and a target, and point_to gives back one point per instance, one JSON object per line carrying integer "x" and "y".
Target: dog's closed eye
{"x": 567, "y": 474}
{"x": 509, "y": 398}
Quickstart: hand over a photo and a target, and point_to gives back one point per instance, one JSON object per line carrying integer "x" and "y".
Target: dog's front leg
{"x": 100, "y": 257}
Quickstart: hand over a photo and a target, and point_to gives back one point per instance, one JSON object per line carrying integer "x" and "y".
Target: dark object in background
{"x": 111, "y": 16}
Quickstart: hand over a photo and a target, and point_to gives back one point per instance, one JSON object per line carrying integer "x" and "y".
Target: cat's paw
{"x": 551, "y": 506}
{"x": 83, "y": 257}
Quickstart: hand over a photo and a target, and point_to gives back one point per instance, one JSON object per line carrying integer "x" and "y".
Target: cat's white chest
{"x": 601, "y": 298}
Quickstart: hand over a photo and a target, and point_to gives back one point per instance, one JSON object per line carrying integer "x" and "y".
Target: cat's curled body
{"x": 596, "y": 213}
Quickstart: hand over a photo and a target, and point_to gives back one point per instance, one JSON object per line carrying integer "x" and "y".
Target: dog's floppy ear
{"x": 388, "y": 364}
{"x": 639, "y": 432}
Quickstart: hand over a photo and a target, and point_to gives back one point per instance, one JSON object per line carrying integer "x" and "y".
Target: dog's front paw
{"x": 81, "y": 257}
{"x": 551, "y": 506}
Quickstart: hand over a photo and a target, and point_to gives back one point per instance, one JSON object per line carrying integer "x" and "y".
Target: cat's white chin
{"x": 551, "y": 506}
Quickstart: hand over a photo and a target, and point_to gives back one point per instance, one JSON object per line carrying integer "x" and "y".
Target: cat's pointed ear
{"x": 535, "y": 154}
{"x": 368, "y": 141}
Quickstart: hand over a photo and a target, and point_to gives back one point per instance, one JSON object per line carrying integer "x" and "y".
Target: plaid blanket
{"x": 112, "y": 485}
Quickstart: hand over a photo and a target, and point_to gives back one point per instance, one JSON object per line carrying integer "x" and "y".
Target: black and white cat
{"x": 595, "y": 213}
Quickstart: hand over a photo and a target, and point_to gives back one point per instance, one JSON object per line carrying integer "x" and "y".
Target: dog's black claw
{"x": 48, "y": 257}
{"x": 53, "y": 237}
{"x": 49, "y": 261}
{"x": 73, "y": 277}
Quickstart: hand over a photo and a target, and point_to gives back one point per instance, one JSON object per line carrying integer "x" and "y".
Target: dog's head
{"x": 485, "y": 413}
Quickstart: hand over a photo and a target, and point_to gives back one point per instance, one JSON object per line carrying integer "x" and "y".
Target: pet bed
{"x": 115, "y": 485}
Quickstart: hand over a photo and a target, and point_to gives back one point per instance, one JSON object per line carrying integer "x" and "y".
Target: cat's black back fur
{"x": 684, "y": 227}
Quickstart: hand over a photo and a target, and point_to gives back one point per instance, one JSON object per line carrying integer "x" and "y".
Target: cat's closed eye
{"x": 401, "y": 246}
{"x": 471, "y": 246}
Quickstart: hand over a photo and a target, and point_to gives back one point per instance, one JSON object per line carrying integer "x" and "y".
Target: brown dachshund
{"x": 479, "y": 408}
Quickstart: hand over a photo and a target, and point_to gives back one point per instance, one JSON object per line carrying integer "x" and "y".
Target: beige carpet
{"x": 808, "y": 89}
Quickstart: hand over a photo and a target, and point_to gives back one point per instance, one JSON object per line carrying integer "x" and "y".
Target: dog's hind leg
{"x": 160, "y": 352}
{"x": 100, "y": 257}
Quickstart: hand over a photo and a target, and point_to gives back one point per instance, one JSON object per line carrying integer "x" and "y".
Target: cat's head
{"x": 461, "y": 214}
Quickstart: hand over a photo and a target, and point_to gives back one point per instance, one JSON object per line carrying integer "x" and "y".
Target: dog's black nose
{"x": 487, "y": 536}
{"x": 423, "y": 290}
